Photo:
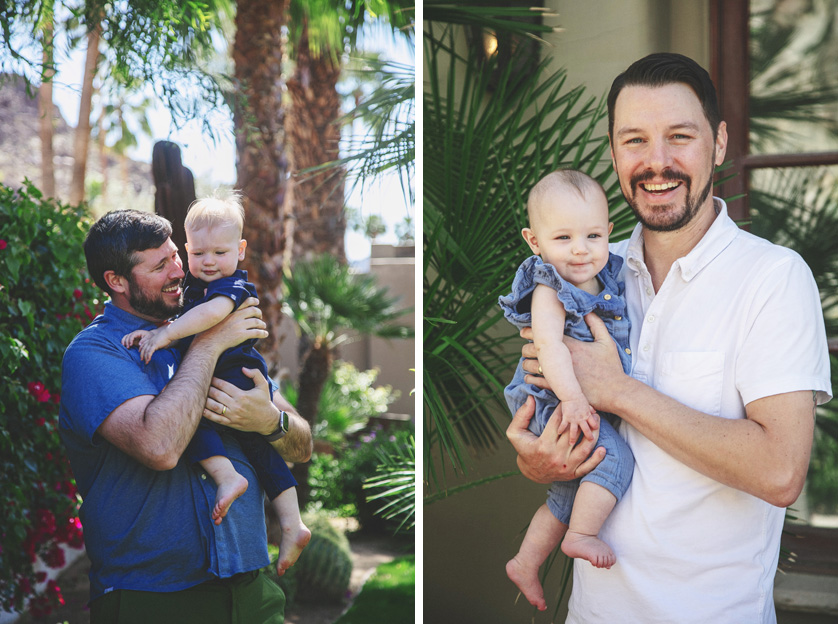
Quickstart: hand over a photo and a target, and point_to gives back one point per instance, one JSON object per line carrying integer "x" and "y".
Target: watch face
{"x": 283, "y": 421}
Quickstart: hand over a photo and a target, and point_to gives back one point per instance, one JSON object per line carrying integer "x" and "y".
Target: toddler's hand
{"x": 578, "y": 414}
{"x": 130, "y": 340}
{"x": 152, "y": 341}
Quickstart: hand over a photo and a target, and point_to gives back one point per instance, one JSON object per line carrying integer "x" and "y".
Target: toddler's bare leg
{"x": 543, "y": 535}
{"x": 591, "y": 507}
{"x": 230, "y": 484}
{"x": 295, "y": 534}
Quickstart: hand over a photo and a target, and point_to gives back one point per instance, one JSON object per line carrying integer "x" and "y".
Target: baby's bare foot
{"x": 228, "y": 491}
{"x": 589, "y": 547}
{"x": 294, "y": 539}
{"x": 525, "y": 578}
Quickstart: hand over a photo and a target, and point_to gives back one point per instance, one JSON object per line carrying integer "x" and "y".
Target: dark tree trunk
{"x": 174, "y": 191}
{"x": 262, "y": 168}
{"x": 314, "y": 133}
{"x": 315, "y": 371}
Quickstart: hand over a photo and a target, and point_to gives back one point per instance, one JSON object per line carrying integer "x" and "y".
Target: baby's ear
{"x": 610, "y": 227}
{"x": 529, "y": 236}
{"x": 242, "y": 247}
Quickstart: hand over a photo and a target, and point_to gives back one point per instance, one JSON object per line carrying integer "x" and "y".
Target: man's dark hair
{"x": 664, "y": 68}
{"x": 112, "y": 242}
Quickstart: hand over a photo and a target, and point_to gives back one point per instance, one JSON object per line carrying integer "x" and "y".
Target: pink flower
{"x": 2, "y": 244}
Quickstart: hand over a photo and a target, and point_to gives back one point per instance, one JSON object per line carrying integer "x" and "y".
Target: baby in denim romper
{"x": 571, "y": 274}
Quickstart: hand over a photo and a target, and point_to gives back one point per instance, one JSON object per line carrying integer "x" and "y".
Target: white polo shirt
{"x": 735, "y": 320}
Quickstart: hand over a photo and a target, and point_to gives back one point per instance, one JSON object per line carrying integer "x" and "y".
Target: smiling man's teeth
{"x": 661, "y": 187}
{"x": 171, "y": 289}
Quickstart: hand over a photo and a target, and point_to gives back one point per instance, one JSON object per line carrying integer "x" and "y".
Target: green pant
{"x": 249, "y": 598}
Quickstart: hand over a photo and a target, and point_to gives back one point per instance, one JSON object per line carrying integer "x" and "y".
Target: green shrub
{"x": 348, "y": 400}
{"x": 337, "y": 483}
{"x": 45, "y": 299}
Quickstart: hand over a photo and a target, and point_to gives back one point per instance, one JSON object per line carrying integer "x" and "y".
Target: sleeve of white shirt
{"x": 784, "y": 347}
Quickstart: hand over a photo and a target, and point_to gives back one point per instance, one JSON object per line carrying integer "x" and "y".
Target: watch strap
{"x": 281, "y": 428}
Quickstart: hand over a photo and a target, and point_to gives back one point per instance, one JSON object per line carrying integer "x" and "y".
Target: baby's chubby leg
{"x": 543, "y": 535}
{"x": 592, "y": 505}
{"x": 295, "y": 534}
{"x": 230, "y": 484}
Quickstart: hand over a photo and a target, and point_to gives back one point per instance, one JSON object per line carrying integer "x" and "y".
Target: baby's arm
{"x": 548, "y": 317}
{"x": 198, "y": 319}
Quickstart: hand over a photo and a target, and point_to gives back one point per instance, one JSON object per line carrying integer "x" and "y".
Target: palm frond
{"x": 389, "y": 141}
{"x": 483, "y": 152}
{"x": 396, "y": 482}
{"x": 331, "y": 303}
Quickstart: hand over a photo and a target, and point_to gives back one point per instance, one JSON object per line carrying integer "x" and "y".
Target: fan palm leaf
{"x": 482, "y": 154}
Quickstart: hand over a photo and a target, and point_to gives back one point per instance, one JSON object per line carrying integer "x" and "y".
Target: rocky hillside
{"x": 127, "y": 184}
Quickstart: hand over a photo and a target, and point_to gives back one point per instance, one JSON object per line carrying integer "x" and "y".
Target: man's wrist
{"x": 281, "y": 428}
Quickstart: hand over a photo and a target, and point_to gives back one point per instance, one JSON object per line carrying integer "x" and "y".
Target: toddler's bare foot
{"x": 228, "y": 491}
{"x": 589, "y": 547}
{"x": 525, "y": 578}
{"x": 294, "y": 539}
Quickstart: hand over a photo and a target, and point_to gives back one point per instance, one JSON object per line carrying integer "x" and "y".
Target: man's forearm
{"x": 173, "y": 416}
{"x": 765, "y": 454}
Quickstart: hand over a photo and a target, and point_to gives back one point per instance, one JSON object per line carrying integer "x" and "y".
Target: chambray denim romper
{"x": 615, "y": 471}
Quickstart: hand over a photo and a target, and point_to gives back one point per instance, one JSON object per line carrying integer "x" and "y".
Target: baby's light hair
{"x": 571, "y": 179}
{"x": 217, "y": 210}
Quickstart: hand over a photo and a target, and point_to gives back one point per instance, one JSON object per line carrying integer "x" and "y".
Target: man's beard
{"x": 155, "y": 307}
{"x": 673, "y": 221}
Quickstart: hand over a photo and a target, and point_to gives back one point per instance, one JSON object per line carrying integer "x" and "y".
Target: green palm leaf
{"x": 483, "y": 151}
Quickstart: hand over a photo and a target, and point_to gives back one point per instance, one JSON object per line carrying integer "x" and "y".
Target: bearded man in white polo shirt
{"x": 729, "y": 360}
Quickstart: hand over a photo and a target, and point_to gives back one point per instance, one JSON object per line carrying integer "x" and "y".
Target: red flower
{"x": 77, "y": 294}
{"x": 54, "y": 557}
{"x": 37, "y": 390}
{"x": 2, "y": 244}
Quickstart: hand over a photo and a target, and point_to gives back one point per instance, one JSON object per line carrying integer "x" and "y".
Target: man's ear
{"x": 116, "y": 283}
{"x": 721, "y": 144}
{"x": 529, "y": 236}
{"x": 242, "y": 247}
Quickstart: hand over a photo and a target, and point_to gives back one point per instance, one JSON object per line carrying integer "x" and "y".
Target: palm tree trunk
{"x": 46, "y": 115}
{"x": 81, "y": 139}
{"x": 313, "y": 375}
{"x": 260, "y": 144}
{"x": 103, "y": 152}
{"x": 313, "y": 132}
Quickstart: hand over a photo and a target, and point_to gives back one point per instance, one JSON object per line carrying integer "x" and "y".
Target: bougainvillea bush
{"x": 45, "y": 299}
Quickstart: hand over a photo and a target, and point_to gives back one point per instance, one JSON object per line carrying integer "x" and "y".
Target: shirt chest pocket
{"x": 694, "y": 379}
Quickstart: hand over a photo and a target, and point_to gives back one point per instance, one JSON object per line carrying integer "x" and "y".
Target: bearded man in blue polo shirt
{"x": 155, "y": 555}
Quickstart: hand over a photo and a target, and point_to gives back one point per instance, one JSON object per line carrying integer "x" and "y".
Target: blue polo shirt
{"x": 145, "y": 529}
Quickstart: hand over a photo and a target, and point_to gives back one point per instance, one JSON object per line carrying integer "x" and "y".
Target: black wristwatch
{"x": 281, "y": 428}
